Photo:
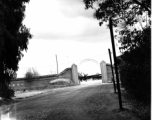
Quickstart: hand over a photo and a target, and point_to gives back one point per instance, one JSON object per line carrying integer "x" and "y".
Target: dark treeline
{"x": 93, "y": 77}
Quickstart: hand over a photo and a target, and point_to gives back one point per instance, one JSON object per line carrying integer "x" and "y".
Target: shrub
{"x": 8, "y": 93}
{"x": 135, "y": 70}
{"x": 31, "y": 73}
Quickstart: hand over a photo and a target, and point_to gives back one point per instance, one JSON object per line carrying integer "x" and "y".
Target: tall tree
{"x": 130, "y": 13}
{"x": 134, "y": 18}
{"x": 14, "y": 38}
{"x": 118, "y": 9}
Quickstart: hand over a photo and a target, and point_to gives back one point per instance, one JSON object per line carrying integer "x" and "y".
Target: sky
{"x": 66, "y": 29}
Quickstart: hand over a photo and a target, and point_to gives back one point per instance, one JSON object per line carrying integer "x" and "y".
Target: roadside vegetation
{"x": 82, "y": 77}
{"x": 31, "y": 73}
{"x": 14, "y": 38}
{"x": 135, "y": 72}
{"x": 85, "y": 77}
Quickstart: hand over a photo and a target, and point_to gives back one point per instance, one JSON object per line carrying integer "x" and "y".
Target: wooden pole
{"x": 115, "y": 62}
{"x": 57, "y": 64}
{"x": 113, "y": 79}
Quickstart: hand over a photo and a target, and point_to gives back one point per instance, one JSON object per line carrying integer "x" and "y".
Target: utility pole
{"x": 115, "y": 62}
{"x": 57, "y": 64}
{"x": 113, "y": 79}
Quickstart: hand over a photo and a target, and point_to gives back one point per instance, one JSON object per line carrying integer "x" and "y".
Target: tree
{"x": 135, "y": 69}
{"x": 31, "y": 73}
{"x": 14, "y": 38}
{"x": 80, "y": 75}
{"x": 131, "y": 18}
{"x": 124, "y": 13}
{"x": 119, "y": 10}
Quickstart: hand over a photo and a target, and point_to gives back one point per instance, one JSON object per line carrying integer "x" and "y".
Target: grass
{"x": 139, "y": 109}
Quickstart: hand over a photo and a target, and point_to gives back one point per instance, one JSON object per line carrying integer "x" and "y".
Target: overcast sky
{"x": 65, "y": 28}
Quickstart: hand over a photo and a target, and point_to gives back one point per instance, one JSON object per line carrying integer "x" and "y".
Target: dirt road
{"x": 94, "y": 101}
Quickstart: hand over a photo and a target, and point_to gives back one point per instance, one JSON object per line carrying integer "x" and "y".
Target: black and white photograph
{"x": 75, "y": 59}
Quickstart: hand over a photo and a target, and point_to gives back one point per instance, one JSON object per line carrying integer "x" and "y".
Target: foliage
{"x": 85, "y": 76}
{"x": 31, "y": 73}
{"x": 132, "y": 19}
{"x": 8, "y": 93}
{"x": 14, "y": 38}
{"x": 135, "y": 68}
{"x": 82, "y": 76}
{"x": 128, "y": 16}
{"x": 119, "y": 10}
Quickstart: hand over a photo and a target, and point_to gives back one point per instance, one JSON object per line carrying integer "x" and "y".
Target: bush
{"x": 31, "y": 73}
{"x": 8, "y": 93}
{"x": 135, "y": 70}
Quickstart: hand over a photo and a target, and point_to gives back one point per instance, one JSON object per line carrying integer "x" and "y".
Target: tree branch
{"x": 143, "y": 5}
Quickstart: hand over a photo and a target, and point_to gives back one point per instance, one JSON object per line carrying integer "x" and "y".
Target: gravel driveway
{"x": 94, "y": 101}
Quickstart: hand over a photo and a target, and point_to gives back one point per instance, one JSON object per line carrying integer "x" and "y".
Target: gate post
{"x": 104, "y": 72}
{"x": 75, "y": 74}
